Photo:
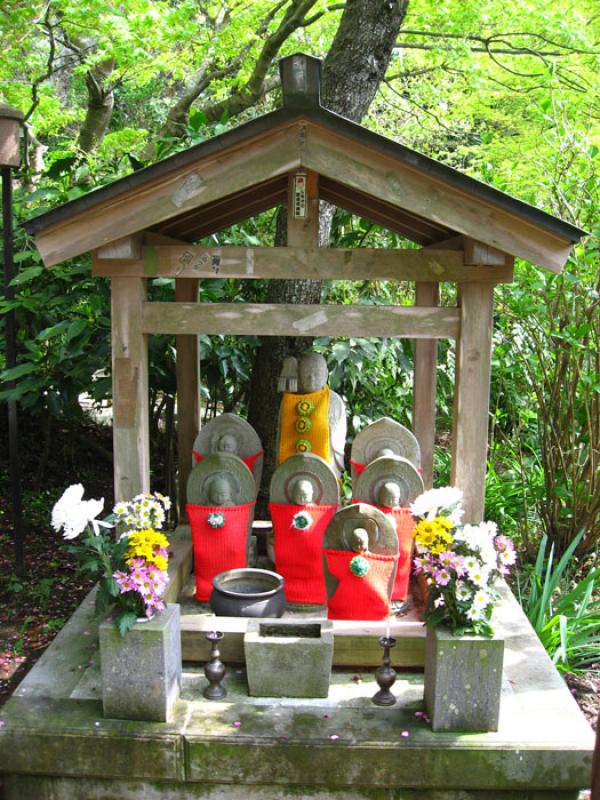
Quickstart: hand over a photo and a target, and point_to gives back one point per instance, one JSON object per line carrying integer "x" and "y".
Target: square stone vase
{"x": 141, "y": 671}
{"x": 463, "y": 681}
{"x": 288, "y": 659}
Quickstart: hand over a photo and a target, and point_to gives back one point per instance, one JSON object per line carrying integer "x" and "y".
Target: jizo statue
{"x": 312, "y": 418}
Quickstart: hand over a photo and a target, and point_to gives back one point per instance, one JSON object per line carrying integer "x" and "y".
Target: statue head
{"x": 389, "y": 495}
{"x": 360, "y": 540}
{"x": 227, "y": 444}
{"x": 312, "y": 373}
{"x": 303, "y": 492}
{"x": 385, "y": 451}
{"x": 219, "y": 493}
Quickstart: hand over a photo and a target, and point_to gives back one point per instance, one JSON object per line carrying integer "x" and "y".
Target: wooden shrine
{"x": 146, "y": 225}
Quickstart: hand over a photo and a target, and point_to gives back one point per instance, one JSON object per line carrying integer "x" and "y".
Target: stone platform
{"x": 56, "y": 745}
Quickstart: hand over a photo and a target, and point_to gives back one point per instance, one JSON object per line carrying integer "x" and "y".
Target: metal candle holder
{"x": 214, "y": 669}
{"x": 385, "y": 675}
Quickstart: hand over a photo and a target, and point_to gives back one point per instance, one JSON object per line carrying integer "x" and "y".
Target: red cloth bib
{"x": 358, "y": 467}
{"x": 405, "y": 530}
{"x": 298, "y": 552}
{"x": 217, "y": 549}
{"x": 359, "y": 598}
{"x": 250, "y": 461}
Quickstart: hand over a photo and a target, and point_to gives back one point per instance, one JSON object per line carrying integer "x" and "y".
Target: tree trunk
{"x": 100, "y": 106}
{"x": 352, "y": 72}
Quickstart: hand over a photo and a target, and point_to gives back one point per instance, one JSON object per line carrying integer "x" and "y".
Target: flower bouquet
{"x": 131, "y": 568}
{"x": 460, "y": 563}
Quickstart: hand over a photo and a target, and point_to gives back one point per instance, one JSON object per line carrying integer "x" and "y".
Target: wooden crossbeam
{"x": 307, "y": 263}
{"x": 247, "y": 319}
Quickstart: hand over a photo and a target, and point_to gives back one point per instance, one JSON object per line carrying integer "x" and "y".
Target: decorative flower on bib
{"x": 359, "y": 566}
{"x": 302, "y": 521}
{"x": 216, "y": 520}
{"x": 303, "y": 446}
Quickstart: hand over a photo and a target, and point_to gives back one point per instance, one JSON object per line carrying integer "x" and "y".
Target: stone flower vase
{"x": 141, "y": 671}
{"x": 463, "y": 681}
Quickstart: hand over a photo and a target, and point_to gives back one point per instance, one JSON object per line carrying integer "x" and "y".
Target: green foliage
{"x": 564, "y": 613}
{"x": 517, "y": 110}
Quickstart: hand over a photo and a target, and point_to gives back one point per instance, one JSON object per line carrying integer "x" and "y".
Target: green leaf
{"x": 18, "y": 372}
{"x": 125, "y": 622}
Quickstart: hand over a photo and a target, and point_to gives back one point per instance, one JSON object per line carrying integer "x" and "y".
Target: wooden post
{"x": 188, "y": 405}
{"x": 424, "y": 386}
{"x": 471, "y": 397}
{"x": 131, "y": 438}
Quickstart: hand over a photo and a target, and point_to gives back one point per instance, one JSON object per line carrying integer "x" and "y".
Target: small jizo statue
{"x": 304, "y": 496}
{"x": 231, "y": 434}
{"x": 384, "y": 437}
{"x": 360, "y": 553}
{"x": 221, "y": 494}
{"x": 312, "y": 418}
{"x": 391, "y": 484}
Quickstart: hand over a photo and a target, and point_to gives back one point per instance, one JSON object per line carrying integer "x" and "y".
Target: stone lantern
{"x": 11, "y": 122}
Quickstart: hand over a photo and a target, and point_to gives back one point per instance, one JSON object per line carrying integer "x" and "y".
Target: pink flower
{"x": 442, "y": 577}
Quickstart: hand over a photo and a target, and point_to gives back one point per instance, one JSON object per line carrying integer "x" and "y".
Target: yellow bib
{"x": 304, "y": 424}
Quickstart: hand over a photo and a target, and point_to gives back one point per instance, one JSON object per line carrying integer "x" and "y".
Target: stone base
{"x": 288, "y": 659}
{"x": 463, "y": 681}
{"x": 141, "y": 671}
{"x": 26, "y": 788}
{"x": 55, "y": 743}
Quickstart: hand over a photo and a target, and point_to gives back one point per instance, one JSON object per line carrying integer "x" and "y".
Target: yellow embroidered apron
{"x": 304, "y": 424}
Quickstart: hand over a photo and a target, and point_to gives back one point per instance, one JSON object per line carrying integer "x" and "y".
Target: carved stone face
{"x": 312, "y": 373}
{"x": 360, "y": 540}
{"x": 303, "y": 493}
{"x": 227, "y": 444}
{"x": 219, "y": 493}
{"x": 389, "y": 495}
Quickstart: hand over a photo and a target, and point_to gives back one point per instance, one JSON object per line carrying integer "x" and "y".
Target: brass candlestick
{"x": 214, "y": 669}
{"x": 385, "y": 675}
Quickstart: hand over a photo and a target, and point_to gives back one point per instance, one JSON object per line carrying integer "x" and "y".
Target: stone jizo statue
{"x": 385, "y": 437}
{"x": 313, "y": 419}
{"x": 221, "y": 492}
{"x": 360, "y": 553}
{"x": 231, "y": 434}
{"x": 391, "y": 484}
{"x": 304, "y": 497}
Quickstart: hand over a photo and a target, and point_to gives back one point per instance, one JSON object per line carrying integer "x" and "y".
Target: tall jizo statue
{"x": 313, "y": 418}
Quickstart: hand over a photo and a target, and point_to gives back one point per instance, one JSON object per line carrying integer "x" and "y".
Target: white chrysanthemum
{"x": 463, "y": 593}
{"x": 479, "y": 575}
{"x": 481, "y": 599}
{"x": 120, "y": 509}
{"x": 72, "y": 513}
{"x": 475, "y": 613}
{"x": 429, "y": 504}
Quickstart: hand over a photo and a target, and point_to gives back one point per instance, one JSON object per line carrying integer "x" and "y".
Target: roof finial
{"x": 300, "y": 81}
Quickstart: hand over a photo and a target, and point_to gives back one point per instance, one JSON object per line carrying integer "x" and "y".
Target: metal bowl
{"x": 248, "y": 592}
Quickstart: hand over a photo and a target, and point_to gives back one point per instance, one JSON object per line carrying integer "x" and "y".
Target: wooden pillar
{"x": 424, "y": 386}
{"x": 131, "y": 439}
{"x": 188, "y": 394}
{"x": 471, "y": 396}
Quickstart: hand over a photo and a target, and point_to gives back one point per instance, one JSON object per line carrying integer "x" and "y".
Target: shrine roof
{"x": 245, "y": 171}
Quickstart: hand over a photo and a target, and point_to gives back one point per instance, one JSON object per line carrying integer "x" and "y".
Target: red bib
{"x": 298, "y": 551}
{"x": 359, "y": 598}
{"x": 405, "y": 531}
{"x": 217, "y": 549}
